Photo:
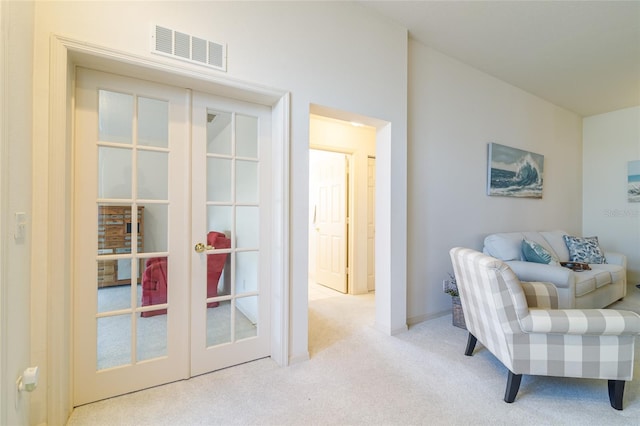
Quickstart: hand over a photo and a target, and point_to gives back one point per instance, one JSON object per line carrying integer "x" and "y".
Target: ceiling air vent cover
{"x": 178, "y": 45}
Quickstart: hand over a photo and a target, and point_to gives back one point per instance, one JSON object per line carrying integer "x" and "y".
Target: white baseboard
{"x": 421, "y": 318}
{"x": 299, "y": 358}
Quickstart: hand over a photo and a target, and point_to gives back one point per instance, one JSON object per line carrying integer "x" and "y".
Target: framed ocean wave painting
{"x": 633, "y": 181}
{"x": 513, "y": 172}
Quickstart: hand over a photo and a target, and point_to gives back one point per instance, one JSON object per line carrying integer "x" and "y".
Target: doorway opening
{"x": 341, "y": 219}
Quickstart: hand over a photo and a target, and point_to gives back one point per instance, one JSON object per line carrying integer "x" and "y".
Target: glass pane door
{"x": 230, "y": 209}
{"x": 129, "y": 259}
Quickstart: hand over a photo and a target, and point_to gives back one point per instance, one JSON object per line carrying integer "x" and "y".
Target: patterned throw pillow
{"x": 586, "y": 250}
{"x": 534, "y": 252}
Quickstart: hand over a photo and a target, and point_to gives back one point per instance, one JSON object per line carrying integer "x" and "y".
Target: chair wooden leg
{"x": 616, "y": 392}
{"x": 513, "y": 384}
{"x": 471, "y": 345}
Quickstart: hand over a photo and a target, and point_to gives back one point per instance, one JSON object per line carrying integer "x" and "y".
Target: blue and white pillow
{"x": 534, "y": 252}
{"x": 585, "y": 250}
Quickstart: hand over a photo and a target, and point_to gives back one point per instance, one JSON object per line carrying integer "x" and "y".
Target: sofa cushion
{"x": 556, "y": 242}
{"x": 504, "y": 246}
{"x": 617, "y": 272}
{"x": 588, "y": 281}
{"x": 602, "y": 278}
{"x": 585, "y": 250}
{"x": 585, "y": 283}
{"x": 507, "y": 246}
{"x": 534, "y": 252}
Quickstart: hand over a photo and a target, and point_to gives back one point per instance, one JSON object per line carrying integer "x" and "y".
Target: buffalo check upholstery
{"x": 520, "y": 324}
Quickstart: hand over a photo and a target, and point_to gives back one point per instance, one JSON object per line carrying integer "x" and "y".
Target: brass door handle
{"x": 200, "y": 248}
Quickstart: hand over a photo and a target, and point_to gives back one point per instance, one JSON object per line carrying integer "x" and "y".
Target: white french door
{"x": 131, "y": 150}
{"x": 231, "y": 219}
{"x": 154, "y": 176}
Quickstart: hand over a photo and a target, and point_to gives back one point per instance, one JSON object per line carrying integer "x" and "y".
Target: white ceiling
{"x": 581, "y": 55}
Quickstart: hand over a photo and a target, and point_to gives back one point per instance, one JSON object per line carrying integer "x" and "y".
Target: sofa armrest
{"x": 593, "y": 322}
{"x": 540, "y": 295}
{"x": 531, "y": 271}
{"x": 616, "y": 258}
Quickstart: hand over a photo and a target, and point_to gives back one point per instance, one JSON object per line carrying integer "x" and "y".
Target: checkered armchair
{"x": 520, "y": 324}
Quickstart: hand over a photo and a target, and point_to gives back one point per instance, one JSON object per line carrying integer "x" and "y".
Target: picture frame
{"x": 633, "y": 181}
{"x": 513, "y": 172}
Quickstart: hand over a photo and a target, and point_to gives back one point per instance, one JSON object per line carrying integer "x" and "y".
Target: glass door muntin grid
{"x": 135, "y": 120}
{"x": 233, "y": 158}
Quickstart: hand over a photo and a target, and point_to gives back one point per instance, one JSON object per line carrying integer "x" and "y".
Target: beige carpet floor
{"x": 358, "y": 376}
{"x": 114, "y": 347}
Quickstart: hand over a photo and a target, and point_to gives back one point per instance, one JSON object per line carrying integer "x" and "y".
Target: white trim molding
{"x": 65, "y": 54}
{"x": 4, "y": 61}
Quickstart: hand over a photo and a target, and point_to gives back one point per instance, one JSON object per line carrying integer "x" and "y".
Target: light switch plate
{"x": 21, "y": 224}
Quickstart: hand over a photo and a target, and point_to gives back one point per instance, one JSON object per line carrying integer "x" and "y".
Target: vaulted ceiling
{"x": 580, "y": 55}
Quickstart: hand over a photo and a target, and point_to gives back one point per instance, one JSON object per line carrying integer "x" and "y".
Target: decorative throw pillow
{"x": 585, "y": 250}
{"x": 534, "y": 252}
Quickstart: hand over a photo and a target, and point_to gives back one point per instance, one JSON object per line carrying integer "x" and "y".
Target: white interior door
{"x": 131, "y": 194}
{"x": 329, "y": 172}
{"x": 153, "y": 177}
{"x": 232, "y": 214}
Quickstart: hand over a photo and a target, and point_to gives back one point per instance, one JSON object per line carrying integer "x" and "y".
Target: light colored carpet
{"x": 114, "y": 333}
{"x": 358, "y": 376}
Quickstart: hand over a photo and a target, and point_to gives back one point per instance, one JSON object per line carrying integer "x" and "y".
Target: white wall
{"x": 454, "y": 112}
{"x": 16, "y": 60}
{"x": 336, "y": 54}
{"x": 610, "y": 141}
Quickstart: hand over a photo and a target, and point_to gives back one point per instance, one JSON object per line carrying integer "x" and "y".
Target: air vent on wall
{"x": 178, "y": 45}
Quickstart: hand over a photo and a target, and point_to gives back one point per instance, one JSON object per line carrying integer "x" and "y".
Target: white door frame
{"x": 65, "y": 54}
{"x": 4, "y": 192}
{"x": 390, "y": 221}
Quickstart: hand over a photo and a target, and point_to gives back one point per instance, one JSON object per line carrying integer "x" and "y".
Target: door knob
{"x": 200, "y": 248}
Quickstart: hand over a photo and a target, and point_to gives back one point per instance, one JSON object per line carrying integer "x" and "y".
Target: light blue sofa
{"x": 600, "y": 287}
